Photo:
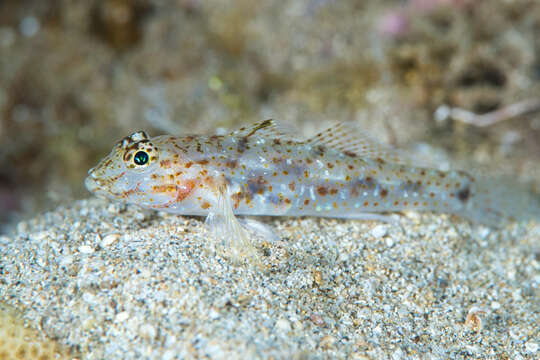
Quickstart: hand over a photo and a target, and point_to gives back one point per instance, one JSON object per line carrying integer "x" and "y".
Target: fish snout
{"x": 91, "y": 183}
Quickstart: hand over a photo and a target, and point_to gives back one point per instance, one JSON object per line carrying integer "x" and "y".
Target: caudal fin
{"x": 496, "y": 202}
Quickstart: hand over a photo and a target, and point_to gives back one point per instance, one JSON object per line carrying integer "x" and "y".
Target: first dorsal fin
{"x": 345, "y": 137}
{"x": 133, "y": 138}
{"x": 266, "y": 129}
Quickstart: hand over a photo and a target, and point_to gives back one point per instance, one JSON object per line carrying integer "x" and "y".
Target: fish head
{"x": 151, "y": 173}
{"x": 131, "y": 162}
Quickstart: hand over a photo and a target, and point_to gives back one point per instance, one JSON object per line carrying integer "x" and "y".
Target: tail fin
{"x": 496, "y": 202}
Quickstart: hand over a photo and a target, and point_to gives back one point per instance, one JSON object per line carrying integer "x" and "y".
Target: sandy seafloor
{"x": 118, "y": 282}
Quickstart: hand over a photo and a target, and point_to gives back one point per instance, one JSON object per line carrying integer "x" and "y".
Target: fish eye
{"x": 141, "y": 158}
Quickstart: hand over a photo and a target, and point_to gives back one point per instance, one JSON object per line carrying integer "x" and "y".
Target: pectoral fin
{"x": 227, "y": 229}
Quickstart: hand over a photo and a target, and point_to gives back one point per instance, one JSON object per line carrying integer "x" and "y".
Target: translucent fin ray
{"x": 225, "y": 227}
{"x": 345, "y": 137}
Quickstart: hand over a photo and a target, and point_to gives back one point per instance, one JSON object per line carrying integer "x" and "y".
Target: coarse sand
{"x": 117, "y": 282}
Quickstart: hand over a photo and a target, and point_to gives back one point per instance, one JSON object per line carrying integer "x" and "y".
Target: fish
{"x": 266, "y": 169}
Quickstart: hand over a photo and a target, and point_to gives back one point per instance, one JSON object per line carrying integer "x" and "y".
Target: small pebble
{"x": 283, "y": 325}
{"x": 531, "y": 347}
{"x": 317, "y": 319}
{"x": 121, "y": 317}
{"x": 213, "y": 314}
{"x": 88, "y": 298}
{"x": 86, "y": 249}
{"x": 379, "y": 231}
{"x": 109, "y": 239}
{"x": 140, "y": 216}
{"x": 169, "y": 355}
{"x": 473, "y": 319}
{"x": 147, "y": 331}
{"x": 113, "y": 208}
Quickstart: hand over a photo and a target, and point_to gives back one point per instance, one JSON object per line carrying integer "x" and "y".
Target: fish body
{"x": 290, "y": 179}
{"x": 262, "y": 170}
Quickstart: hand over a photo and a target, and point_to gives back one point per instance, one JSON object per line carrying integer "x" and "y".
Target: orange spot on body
{"x": 163, "y": 188}
{"x": 322, "y": 190}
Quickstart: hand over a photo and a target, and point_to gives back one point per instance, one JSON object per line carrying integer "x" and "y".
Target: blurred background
{"x": 76, "y": 76}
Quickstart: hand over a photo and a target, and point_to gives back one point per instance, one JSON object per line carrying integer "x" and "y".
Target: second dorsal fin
{"x": 345, "y": 137}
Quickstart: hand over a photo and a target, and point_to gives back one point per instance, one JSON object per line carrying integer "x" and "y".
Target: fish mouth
{"x": 92, "y": 184}
{"x": 100, "y": 186}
